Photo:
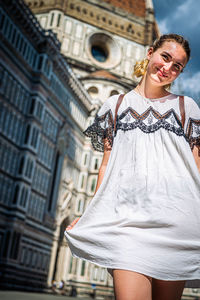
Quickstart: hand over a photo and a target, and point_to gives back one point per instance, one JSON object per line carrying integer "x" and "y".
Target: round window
{"x": 103, "y": 50}
{"x": 99, "y": 53}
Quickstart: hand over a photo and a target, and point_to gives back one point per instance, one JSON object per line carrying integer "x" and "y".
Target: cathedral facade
{"x": 56, "y": 70}
{"x": 101, "y": 41}
{"x": 43, "y": 111}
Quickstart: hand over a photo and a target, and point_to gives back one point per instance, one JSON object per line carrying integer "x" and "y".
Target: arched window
{"x": 35, "y": 133}
{"x": 82, "y": 181}
{"x": 32, "y": 106}
{"x": 93, "y": 185}
{"x": 114, "y": 92}
{"x": 30, "y": 170}
{"x": 99, "y": 53}
{"x": 83, "y": 268}
{"x": 58, "y": 20}
{"x": 15, "y": 245}
{"x": 21, "y": 165}
{"x": 95, "y": 273}
{"x": 23, "y": 196}
{"x": 93, "y": 90}
{"x": 70, "y": 265}
{"x": 96, "y": 165}
{"x": 52, "y": 17}
{"x": 27, "y": 134}
{"x": 16, "y": 194}
{"x": 85, "y": 159}
{"x": 79, "y": 205}
{"x": 102, "y": 278}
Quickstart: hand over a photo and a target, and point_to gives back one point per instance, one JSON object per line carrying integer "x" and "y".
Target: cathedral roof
{"x": 102, "y": 74}
{"x": 136, "y": 7}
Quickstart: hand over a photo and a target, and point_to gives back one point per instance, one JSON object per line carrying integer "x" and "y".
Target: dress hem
{"x": 144, "y": 272}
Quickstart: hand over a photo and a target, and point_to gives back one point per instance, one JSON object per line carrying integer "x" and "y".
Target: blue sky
{"x": 183, "y": 17}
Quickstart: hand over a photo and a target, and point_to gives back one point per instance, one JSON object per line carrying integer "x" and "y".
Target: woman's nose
{"x": 168, "y": 66}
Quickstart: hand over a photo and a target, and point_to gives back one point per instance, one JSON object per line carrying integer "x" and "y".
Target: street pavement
{"x": 15, "y": 295}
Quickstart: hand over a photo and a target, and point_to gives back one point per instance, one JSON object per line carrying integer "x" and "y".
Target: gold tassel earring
{"x": 140, "y": 67}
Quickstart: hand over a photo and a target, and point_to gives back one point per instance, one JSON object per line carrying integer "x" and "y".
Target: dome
{"x": 136, "y": 7}
{"x": 102, "y": 74}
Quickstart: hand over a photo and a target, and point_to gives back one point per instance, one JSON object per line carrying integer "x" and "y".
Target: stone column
{"x": 62, "y": 262}
{"x": 53, "y": 255}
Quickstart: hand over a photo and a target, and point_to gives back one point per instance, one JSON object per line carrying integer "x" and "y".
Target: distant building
{"x": 43, "y": 111}
{"x": 48, "y": 169}
{"x": 101, "y": 40}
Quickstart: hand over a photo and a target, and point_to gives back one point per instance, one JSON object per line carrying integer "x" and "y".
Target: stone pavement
{"x": 15, "y": 295}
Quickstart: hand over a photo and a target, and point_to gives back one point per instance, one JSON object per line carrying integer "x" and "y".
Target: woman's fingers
{"x": 72, "y": 224}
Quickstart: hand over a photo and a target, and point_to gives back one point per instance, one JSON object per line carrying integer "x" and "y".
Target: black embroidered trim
{"x": 149, "y": 114}
{"x": 193, "y": 133}
{"x": 102, "y": 133}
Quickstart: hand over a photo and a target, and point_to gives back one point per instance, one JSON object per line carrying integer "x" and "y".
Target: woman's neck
{"x": 148, "y": 90}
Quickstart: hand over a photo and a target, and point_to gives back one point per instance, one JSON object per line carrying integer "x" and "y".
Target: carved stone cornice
{"x": 29, "y": 23}
{"x": 134, "y": 8}
{"x": 45, "y": 41}
{"x": 115, "y": 21}
{"x": 68, "y": 76}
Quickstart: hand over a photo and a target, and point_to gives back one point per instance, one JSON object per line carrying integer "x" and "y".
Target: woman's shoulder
{"x": 109, "y": 104}
{"x": 190, "y": 101}
{"x": 190, "y": 104}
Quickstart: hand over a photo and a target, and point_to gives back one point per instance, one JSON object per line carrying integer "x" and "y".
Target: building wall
{"x": 77, "y": 39}
{"x": 82, "y": 27}
{"x": 48, "y": 168}
{"x": 44, "y": 109}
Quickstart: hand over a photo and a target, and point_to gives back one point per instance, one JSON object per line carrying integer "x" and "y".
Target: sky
{"x": 183, "y": 17}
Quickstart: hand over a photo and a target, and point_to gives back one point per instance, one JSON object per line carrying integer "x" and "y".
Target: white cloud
{"x": 185, "y": 17}
{"x": 183, "y": 9}
{"x": 189, "y": 85}
{"x": 192, "y": 83}
{"x": 188, "y": 11}
{"x": 164, "y": 28}
{"x": 186, "y": 14}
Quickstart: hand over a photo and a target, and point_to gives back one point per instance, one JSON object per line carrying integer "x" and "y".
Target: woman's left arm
{"x": 195, "y": 152}
{"x": 192, "y": 127}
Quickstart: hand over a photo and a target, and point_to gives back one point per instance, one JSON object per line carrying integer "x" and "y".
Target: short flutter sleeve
{"x": 101, "y": 131}
{"x": 193, "y": 123}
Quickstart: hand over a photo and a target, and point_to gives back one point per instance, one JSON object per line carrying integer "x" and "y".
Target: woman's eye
{"x": 165, "y": 57}
{"x": 177, "y": 67}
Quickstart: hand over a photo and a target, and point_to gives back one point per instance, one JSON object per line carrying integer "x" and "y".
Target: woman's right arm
{"x": 102, "y": 168}
{"x": 103, "y": 141}
{"x": 197, "y": 157}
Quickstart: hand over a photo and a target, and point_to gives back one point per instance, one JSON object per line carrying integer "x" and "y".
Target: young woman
{"x": 143, "y": 223}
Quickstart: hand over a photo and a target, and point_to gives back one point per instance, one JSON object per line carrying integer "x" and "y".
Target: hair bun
{"x": 140, "y": 67}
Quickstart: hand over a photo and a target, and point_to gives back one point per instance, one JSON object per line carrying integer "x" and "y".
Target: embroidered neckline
{"x": 149, "y": 100}
{"x": 102, "y": 133}
{"x": 149, "y": 121}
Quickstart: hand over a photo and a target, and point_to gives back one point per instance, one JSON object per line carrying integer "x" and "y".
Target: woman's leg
{"x": 167, "y": 290}
{"x": 129, "y": 285}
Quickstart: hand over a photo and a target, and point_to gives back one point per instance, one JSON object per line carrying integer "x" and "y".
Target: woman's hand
{"x": 72, "y": 224}
{"x": 102, "y": 169}
{"x": 196, "y": 157}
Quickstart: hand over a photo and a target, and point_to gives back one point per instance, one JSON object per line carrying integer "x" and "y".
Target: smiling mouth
{"x": 160, "y": 73}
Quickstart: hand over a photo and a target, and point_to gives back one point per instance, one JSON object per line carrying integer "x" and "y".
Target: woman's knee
{"x": 129, "y": 285}
{"x": 167, "y": 290}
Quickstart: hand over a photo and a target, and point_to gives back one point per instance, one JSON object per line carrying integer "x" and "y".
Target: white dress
{"x": 145, "y": 216}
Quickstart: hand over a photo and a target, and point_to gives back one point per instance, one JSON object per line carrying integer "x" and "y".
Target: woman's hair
{"x": 141, "y": 66}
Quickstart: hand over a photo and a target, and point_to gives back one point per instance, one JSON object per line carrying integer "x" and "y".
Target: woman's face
{"x": 166, "y": 63}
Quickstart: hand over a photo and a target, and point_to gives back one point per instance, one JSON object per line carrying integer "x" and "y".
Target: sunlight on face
{"x": 166, "y": 63}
